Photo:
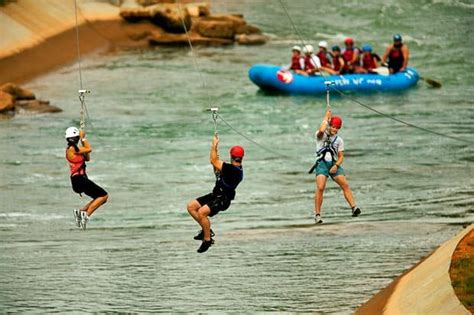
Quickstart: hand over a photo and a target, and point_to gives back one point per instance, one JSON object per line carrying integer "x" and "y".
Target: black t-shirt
{"x": 228, "y": 180}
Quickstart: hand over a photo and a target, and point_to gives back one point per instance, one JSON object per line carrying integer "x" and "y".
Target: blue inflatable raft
{"x": 274, "y": 78}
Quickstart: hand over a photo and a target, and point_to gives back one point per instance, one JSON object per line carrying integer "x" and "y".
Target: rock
{"x": 7, "y": 102}
{"x": 38, "y": 106}
{"x": 134, "y": 14}
{"x": 167, "y": 39}
{"x": 170, "y": 18}
{"x": 247, "y": 29}
{"x": 252, "y": 39}
{"x": 17, "y": 92}
{"x": 216, "y": 29}
{"x": 198, "y": 9}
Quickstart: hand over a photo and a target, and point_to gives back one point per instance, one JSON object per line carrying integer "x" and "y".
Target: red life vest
{"x": 336, "y": 63}
{"x": 295, "y": 63}
{"x": 395, "y": 59}
{"x": 368, "y": 62}
{"x": 324, "y": 59}
{"x": 77, "y": 165}
{"x": 348, "y": 54}
{"x": 308, "y": 64}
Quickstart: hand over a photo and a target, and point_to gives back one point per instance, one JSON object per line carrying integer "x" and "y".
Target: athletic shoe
{"x": 317, "y": 219}
{"x": 200, "y": 235}
{"x": 84, "y": 219}
{"x": 355, "y": 211}
{"x": 77, "y": 217}
{"x": 205, "y": 246}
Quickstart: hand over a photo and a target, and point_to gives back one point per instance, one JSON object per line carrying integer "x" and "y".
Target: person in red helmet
{"x": 228, "y": 177}
{"x": 330, "y": 155}
{"x": 351, "y": 56}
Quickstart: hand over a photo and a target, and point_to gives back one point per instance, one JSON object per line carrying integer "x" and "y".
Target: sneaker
{"x": 84, "y": 219}
{"x": 200, "y": 235}
{"x": 355, "y": 211}
{"x": 317, "y": 219}
{"x": 205, "y": 246}
{"x": 77, "y": 217}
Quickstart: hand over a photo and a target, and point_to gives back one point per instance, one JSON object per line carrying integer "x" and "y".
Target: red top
{"x": 77, "y": 165}
{"x": 324, "y": 59}
{"x": 368, "y": 62}
{"x": 295, "y": 63}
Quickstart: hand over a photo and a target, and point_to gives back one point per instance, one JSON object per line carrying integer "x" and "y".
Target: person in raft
{"x": 77, "y": 157}
{"x": 297, "y": 61}
{"x": 397, "y": 55}
{"x": 330, "y": 155}
{"x": 228, "y": 177}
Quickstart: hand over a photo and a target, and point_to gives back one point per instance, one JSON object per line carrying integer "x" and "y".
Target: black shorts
{"x": 215, "y": 203}
{"x": 82, "y": 184}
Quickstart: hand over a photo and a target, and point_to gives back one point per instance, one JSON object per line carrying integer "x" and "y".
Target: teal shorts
{"x": 323, "y": 167}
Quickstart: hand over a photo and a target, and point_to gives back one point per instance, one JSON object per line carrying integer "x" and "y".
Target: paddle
{"x": 433, "y": 83}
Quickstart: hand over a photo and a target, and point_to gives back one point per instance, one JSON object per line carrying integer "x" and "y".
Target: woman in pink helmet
{"x": 228, "y": 177}
{"x": 330, "y": 155}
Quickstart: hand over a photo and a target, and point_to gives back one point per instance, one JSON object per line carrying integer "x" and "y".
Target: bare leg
{"x": 203, "y": 220}
{"x": 318, "y": 195}
{"x": 344, "y": 184}
{"x": 193, "y": 207}
{"x": 87, "y": 205}
{"x": 96, "y": 203}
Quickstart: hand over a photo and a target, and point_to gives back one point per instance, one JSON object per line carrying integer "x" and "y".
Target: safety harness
{"x": 328, "y": 147}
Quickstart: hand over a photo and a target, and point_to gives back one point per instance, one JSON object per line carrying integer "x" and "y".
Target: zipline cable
{"x": 196, "y": 65}
{"x": 355, "y": 100}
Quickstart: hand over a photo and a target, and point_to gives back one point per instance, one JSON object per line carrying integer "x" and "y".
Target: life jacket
{"x": 77, "y": 165}
{"x": 223, "y": 188}
{"x": 308, "y": 63}
{"x": 368, "y": 62}
{"x": 336, "y": 63}
{"x": 395, "y": 58}
{"x": 295, "y": 63}
{"x": 328, "y": 147}
{"x": 348, "y": 55}
{"x": 323, "y": 57}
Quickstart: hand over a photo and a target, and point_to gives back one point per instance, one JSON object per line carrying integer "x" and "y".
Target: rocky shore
{"x": 36, "y": 30}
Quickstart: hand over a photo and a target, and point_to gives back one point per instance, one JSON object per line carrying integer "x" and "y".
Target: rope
{"x": 361, "y": 103}
{"x": 81, "y": 88}
{"x": 196, "y": 65}
{"x": 253, "y": 141}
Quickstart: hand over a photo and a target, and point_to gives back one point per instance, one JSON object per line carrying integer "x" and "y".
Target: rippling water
{"x": 151, "y": 139}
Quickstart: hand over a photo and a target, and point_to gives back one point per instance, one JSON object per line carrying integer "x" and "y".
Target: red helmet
{"x": 237, "y": 152}
{"x": 336, "y": 122}
{"x": 348, "y": 41}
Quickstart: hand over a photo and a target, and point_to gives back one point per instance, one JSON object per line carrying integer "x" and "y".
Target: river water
{"x": 151, "y": 140}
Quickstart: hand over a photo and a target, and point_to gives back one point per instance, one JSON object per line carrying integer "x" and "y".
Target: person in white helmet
{"x": 312, "y": 64}
{"x": 297, "y": 61}
{"x": 77, "y": 157}
{"x": 324, "y": 58}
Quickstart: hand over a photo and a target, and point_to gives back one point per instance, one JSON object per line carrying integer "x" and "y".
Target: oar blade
{"x": 435, "y": 84}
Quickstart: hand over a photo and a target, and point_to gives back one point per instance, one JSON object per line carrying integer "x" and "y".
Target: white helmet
{"x": 323, "y": 44}
{"x": 297, "y": 48}
{"x": 72, "y": 132}
{"x": 308, "y": 49}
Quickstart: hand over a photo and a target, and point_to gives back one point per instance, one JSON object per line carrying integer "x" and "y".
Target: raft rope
{"x": 355, "y": 100}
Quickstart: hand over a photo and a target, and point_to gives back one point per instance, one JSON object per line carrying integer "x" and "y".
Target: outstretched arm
{"x": 86, "y": 146}
{"x": 386, "y": 53}
{"x": 215, "y": 155}
{"x": 324, "y": 123}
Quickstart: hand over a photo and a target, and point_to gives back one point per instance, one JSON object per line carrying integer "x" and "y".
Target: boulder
{"x": 166, "y": 39}
{"x": 7, "y": 102}
{"x": 170, "y": 18}
{"x": 247, "y": 29}
{"x": 252, "y": 39}
{"x": 17, "y": 92}
{"x": 38, "y": 106}
{"x": 215, "y": 28}
{"x": 135, "y": 14}
{"x": 198, "y": 9}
